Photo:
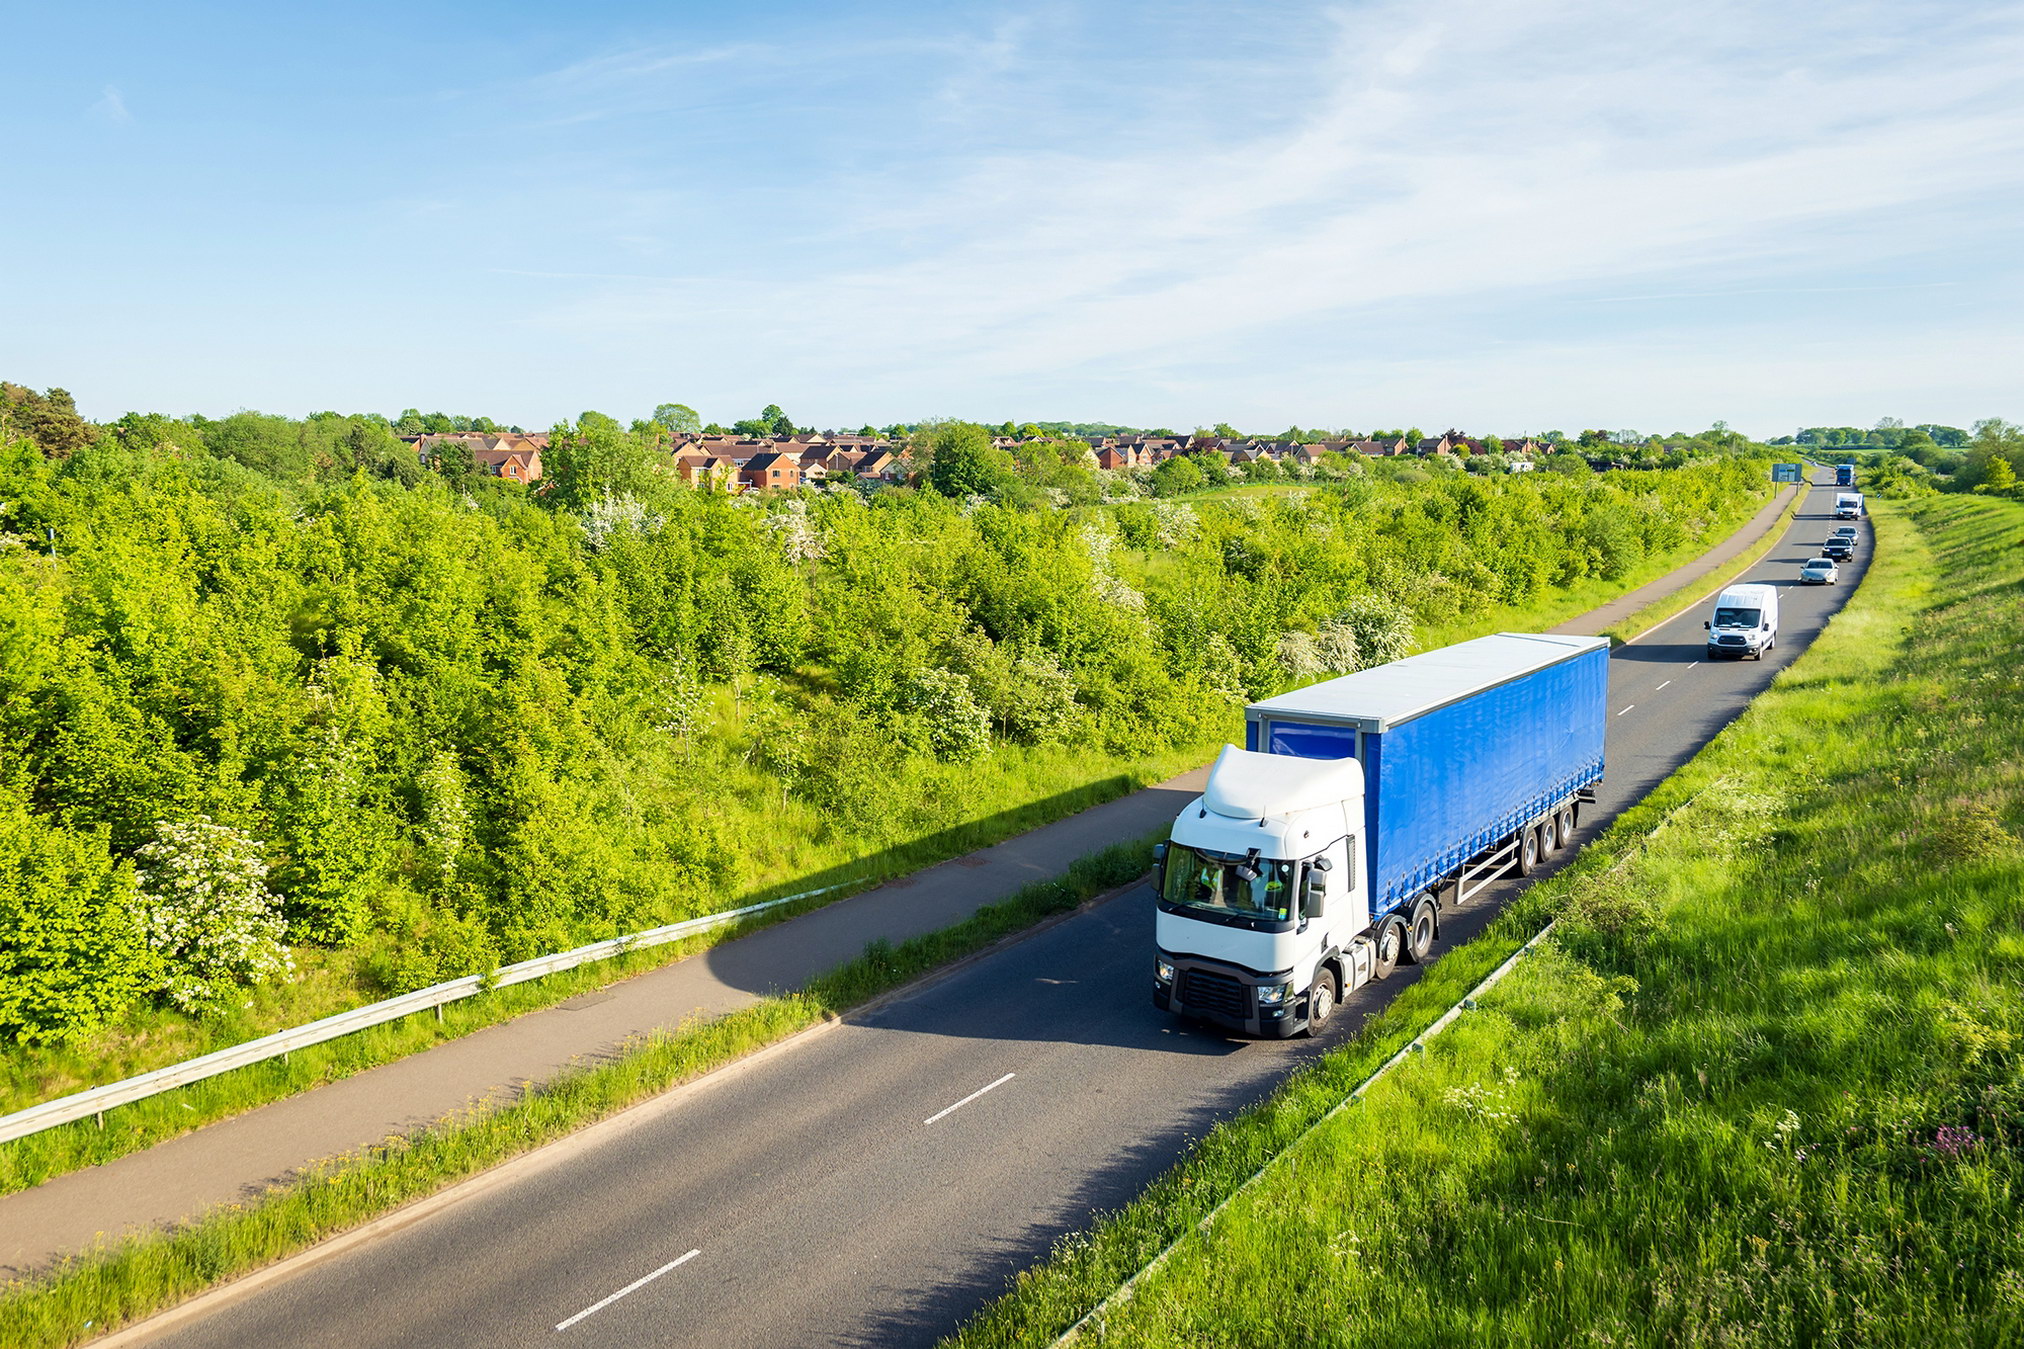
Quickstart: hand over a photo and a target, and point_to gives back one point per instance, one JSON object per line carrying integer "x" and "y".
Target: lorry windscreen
{"x": 1738, "y": 618}
{"x": 1214, "y": 888}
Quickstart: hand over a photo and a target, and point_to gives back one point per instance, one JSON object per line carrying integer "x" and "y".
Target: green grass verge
{"x": 1686, "y": 597}
{"x": 100, "y": 1291}
{"x": 1763, "y": 1086}
{"x": 30, "y": 1161}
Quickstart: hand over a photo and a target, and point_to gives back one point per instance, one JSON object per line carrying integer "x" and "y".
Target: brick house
{"x": 771, "y": 470}
{"x": 516, "y": 458}
{"x": 878, "y": 462}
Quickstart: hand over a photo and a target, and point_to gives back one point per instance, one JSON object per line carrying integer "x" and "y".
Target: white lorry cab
{"x": 1848, "y": 505}
{"x": 1745, "y": 622}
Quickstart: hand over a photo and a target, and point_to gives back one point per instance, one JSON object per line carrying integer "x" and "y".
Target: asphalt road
{"x": 876, "y": 1182}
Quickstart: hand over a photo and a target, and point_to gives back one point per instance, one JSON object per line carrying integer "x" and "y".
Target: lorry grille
{"x": 1207, "y": 991}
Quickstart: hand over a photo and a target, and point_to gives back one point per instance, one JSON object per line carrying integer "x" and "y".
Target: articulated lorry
{"x": 1318, "y": 857}
{"x": 1844, "y": 475}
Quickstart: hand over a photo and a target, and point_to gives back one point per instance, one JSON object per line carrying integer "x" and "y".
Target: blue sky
{"x": 1502, "y": 215}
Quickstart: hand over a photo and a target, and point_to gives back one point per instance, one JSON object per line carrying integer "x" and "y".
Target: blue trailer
{"x": 1320, "y": 855}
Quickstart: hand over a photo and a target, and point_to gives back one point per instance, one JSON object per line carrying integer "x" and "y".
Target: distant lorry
{"x": 1317, "y": 858}
{"x": 1844, "y": 475}
{"x": 1745, "y": 622}
{"x": 1848, "y": 505}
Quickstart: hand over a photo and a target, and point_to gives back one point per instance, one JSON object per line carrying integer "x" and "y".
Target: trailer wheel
{"x": 1529, "y": 849}
{"x": 1420, "y": 937}
{"x": 1390, "y": 944}
{"x": 1563, "y": 827}
{"x": 1321, "y": 1000}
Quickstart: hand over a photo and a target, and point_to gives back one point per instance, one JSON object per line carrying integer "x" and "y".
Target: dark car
{"x": 1840, "y": 549}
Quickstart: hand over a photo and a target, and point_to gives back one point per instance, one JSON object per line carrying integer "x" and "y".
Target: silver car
{"x": 1819, "y": 571}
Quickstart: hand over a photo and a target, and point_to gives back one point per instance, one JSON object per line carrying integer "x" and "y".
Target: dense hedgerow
{"x": 460, "y": 725}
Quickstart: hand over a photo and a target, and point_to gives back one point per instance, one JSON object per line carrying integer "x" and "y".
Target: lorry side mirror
{"x": 1314, "y": 897}
{"x": 1159, "y": 853}
{"x": 1322, "y": 864}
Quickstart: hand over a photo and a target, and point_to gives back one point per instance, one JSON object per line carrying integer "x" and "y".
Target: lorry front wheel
{"x": 1391, "y": 941}
{"x": 1321, "y": 1000}
{"x": 1420, "y": 937}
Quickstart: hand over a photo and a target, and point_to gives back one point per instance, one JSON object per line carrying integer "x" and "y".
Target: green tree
{"x": 593, "y": 458}
{"x": 963, "y": 461}
{"x": 1177, "y": 475}
{"x": 50, "y": 419}
{"x": 454, "y": 462}
{"x": 678, "y": 418}
{"x": 73, "y": 956}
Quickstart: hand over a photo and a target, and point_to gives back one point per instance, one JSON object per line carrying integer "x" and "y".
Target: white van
{"x": 1848, "y": 506}
{"x": 1745, "y": 622}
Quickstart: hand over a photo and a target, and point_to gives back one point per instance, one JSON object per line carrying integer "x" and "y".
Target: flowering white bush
{"x": 796, "y": 534}
{"x": 614, "y": 514}
{"x": 1174, "y": 523}
{"x": 677, "y": 701}
{"x": 1332, "y": 650}
{"x": 446, "y": 816}
{"x": 958, "y": 729}
{"x": 204, "y": 900}
{"x": 1109, "y": 588}
{"x": 1119, "y": 485}
{"x": 1381, "y": 629}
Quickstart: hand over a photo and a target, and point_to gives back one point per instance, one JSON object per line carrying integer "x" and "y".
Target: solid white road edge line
{"x": 967, "y": 1099}
{"x": 634, "y": 1286}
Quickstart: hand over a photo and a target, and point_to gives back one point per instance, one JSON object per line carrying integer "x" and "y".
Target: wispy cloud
{"x": 1430, "y": 152}
{"x": 110, "y": 107}
{"x": 1277, "y": 210}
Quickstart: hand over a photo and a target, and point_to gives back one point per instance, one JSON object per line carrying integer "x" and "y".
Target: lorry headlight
{"x": 1273, "y": 995}
{"x": 1163, "y": 971}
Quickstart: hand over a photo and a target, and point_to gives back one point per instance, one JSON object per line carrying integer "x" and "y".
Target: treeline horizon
{"x": 54, "y": 406}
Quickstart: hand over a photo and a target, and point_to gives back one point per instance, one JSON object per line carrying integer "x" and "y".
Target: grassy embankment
{"x": 99, "y": 1292}
{"x": 1762, "y": 1086}
{"x": 1054, "y": 787}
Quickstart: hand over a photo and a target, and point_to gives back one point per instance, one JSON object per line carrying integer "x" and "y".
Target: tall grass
{"x": 1763, "y": 1087}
